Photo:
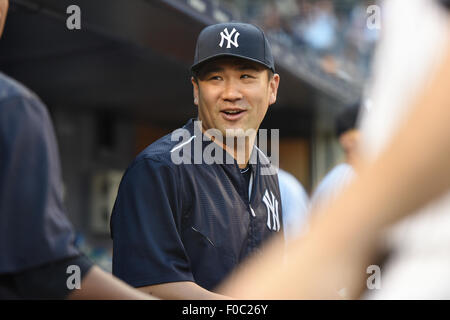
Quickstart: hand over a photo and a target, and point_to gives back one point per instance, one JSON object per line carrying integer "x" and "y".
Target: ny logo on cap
{"x": 227, "y": 36}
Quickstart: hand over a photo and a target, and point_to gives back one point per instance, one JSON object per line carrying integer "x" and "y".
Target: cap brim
{"x": 196, "y": 65}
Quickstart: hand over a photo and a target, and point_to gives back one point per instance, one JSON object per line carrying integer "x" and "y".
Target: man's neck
{"x": 240, "y": 148}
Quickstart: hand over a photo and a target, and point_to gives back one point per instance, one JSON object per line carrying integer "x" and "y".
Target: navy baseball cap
{"x": 235, "y": 39}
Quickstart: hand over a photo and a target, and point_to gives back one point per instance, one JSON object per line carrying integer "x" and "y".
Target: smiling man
{"x": 233, "y": 95}
{"x": 180, "y": 228}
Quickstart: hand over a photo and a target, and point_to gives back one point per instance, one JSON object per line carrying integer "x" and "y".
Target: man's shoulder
{"x": 19, "y": 103}
{"x": 159, "y": 153}
{"x": 289, "y": 184}
{"x": 342, "y": 170}
{"x": 333, "y": 182}
{"x": 267, "y": 169}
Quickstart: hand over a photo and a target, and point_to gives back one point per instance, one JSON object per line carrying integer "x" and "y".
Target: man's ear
{"x": 195, "y": 88}
{"x": 273, "y": 88}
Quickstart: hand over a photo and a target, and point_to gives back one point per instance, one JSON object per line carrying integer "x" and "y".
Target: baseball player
{"x": 180, "y": 227}
{"x": 36, "y": 239}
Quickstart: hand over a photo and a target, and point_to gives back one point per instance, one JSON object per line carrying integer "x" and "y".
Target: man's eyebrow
{"x": 241, "y": 66}
{"x": 249, "y": 67}
{"x": 212, "y": 69}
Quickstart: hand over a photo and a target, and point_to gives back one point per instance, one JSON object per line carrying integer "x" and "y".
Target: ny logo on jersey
{"x": 273, "y": 219}
{"x": 225, "y": 35}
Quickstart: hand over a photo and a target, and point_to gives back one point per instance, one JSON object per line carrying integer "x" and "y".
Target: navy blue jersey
{"x": 33, "y": 227}
{"x": 190, "y": 222}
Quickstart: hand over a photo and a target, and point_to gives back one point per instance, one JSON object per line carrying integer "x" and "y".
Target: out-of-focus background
{"x": 123, "y": 81}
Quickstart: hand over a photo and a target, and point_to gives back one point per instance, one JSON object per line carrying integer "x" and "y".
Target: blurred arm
{"x": 100, "y": 285}
{"x": 413, "y": 170}
{"x": 183, "y": 290}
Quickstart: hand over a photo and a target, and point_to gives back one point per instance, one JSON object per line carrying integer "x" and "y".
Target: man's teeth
{"x": 234, "y": 111}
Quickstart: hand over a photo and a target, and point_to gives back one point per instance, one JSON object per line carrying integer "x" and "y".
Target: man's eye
{"x": 246, "y": 76}
{"x": 215, "y": 78}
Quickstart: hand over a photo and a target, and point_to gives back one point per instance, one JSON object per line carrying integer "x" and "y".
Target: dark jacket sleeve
{"x": 147, "y": 247}
{"x": 33, "y": 227}
{"x": 54, "y": 280}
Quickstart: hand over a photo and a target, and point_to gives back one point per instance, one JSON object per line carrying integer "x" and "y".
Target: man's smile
{"x": 233, "y": 113}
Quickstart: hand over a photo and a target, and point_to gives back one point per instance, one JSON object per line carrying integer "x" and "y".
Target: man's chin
{"x": 232, "y": 131}
{"x": 239, "y": 132}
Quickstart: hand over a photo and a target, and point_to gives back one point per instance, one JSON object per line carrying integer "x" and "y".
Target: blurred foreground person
{"x": 36, "y": 240}
{"x": 402, "y": 192}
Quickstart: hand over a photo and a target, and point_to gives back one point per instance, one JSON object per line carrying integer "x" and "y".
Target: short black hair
{"x": 347, "y": 118}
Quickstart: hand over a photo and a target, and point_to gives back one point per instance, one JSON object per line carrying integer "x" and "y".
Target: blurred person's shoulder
{"x": 289, "y": 184}
{"x": 333, "y": 183}
{"x": 18, "y": 103}
{"x": 341, "y": 172}
{"x": 10, "y": 88}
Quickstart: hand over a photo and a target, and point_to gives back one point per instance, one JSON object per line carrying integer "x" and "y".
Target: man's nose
{"x": 231, "y": 91}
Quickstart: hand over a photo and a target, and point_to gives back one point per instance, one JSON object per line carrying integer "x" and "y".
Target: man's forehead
{"x": 231, "y": 63}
